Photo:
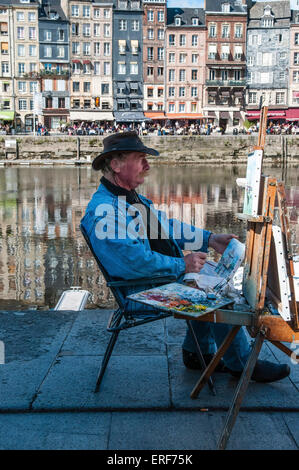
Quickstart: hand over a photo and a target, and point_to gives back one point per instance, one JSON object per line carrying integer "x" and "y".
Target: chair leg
{"x": 106, "y": 358}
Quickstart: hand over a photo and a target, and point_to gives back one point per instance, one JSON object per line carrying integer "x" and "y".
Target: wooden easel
{"x": 256, "y": 289}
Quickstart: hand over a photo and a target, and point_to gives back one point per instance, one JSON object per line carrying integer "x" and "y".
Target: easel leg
{"x": 213, "y": 364}
{"x": 283, "y": 348}
{"x": 200, "y": 356}
{"x": 241, "y": 390}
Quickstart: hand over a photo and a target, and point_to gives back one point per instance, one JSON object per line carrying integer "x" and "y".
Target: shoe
{"x": 191, "y": 361}
{"x": 266, "y": 371}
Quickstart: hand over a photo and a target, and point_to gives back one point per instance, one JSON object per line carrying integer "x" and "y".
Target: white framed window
{"x": 32, "y": 67}
{"x": 33, "y": 87}
{"x": 267, "y": 58}
{"x": 86, "y": 48}
{"x": 107, "y": 68}
{"x": 177, "y": 21}
{"x": 75, "y": 47}
{"x": 22, "y": 87}
{"x": 182, "y": 58}
{"x": 182, "y": 91}
{"x": 150, "y": 33}
{"x": 106, "y": 13}
{"x": 106, "y": 30}
{"x": 194, "y": 40}
{"x": 87, "y": 68}
{"x": 121, "y": 69}
{"x": 171, "y": 57}
{"x": 171, "y": 40}
{"x": 296, "y": 76}
{"x": 96, "y": 12}
{"x": 86, "y": 29}
{"x": 238, "y": 52}
{"x": 252, "y": 96}
{"x": 20, "y": 16}
{"x": 96, "y": 29}
{"x": 60, "y": 51}
{"x": 160, "y": 33}
{"x": 171, "y": 108}
{"x": 212, "y": 51}
{"x": 212, "y": 30}
{"x": 295, "y": 97}
{"x": 182, "y": 75}
{"x": 97, "y": 48}
{"x": 296, "y": 39}
{"x": 32, "y": 32}
{"x": 225, "y": 7}
{"x": 48, "y": 36}
{"x": 194, "y": 21}
{"x": 75, "y": 10}
{"x": 225, "y": 51}
{"x": 193, "y": 107}
{"x": 48, "y": 85}
{"x": 106, "y": 48}
{"x": 5, "y": 68}
{"x": 225, "y": 31}
{"x": 194, "y": 91}
{"x": 280, "y": 97}
{"x": 133, "y": 68}
{"x": 150, "y": 15}
{"x": 194, "y": 58}
{"x": 122, "y": 25}
{"x": 160, "y": 16}
{"x": 47, "y": 51}
{"x": 20, "y": 32}
{"x": 160, "y": 53}
{"x": 86, "y": 11}
{"x": 182, "y": 107}
{"x": 135, "y": 25}
{"x": 238, "y": 30}
{"x": 134, "y": 46}
{"x": 296, "y": 58}
{"x": 171, "y": 91}
{"x": 21, "y": 50}
{"x": 150, "y": 53}
{"x": 182, "y": 39}
{"x": 250, "y": 61}
{"x": 96, "y": 68}
{"x": 171, "y": 75}
{"x": 264, "y": 77}
{"x": 22, "y": 105}
{"x": 194, "y": 74}
{"x": 32, "y": 50}
{"x": 282, "y": 76}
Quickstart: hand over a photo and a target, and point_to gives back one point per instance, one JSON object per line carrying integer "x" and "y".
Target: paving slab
{"x": 197, "y": 430}
{"x": 292, "y": 422}
{"x": 89, "y": 336}
{"x": 32, "y": 339}
{"x": 129, "y": 382}
{"x": 276, "y": 395}
{"x": 59, "y": 431}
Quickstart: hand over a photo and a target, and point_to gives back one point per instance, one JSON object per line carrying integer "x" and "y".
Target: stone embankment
{"x": 178, "y": 150}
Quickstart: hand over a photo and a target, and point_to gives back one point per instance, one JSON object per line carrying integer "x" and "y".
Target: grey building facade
{"x": 127, "y": 69}
{"x": 54, "y": 62}
{"x": 268, "y": 36}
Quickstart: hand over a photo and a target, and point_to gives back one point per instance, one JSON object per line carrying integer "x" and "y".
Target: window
{"x": 48, "y": 35}
{"x": 194, "y": 40}
{"x": 296, "y": 39}
{"x": 150, "y": 33}
{"x": 194, "y": 74}
{"x": 20, "y": 16}
{"x": 75, "y": 29}
{"x": 20, "y": 32}
{"x": 252, "y": 97}
{"x": 280, "y": 98}
{"x": 224, "y": 75}
{"x": 282, "y": 76}
{"x": 171, "y": 40}
{"x": 6, "y": 104}
{"x": 21, "y": 68}
{"x": 22, "y": 105}
{"x": 150, "y": 92}
{"x": 171, "y": 91}
{"x": 265, "y": 77}
{"x": 195, "y": 21}
{"x": 5, "y": 68}
{"x": 32, "y": 50}
{"x": 225, "y": 31}
{"x": 48, "y": 103}
{"x": 224, "y": 51}
{"x": 76, "y": 86}
{"x": 32, "y": 33}
{"x": 171, "y": 108}
{"x": 96, "y": 13}
{"x": 150, "y": 15}
{"x": 267, "y": 22}
{"x": 76, "y": 104}
{"x": 61, "y": 103}
{"x": 171, "y": 75}
{"x": 48, "y": 85}
{"x": 160, "y": 53}
{"x": 225, "y": 7}
{"x": 86, "y": 48}
{"x": 193, "y": 107}
{"x": 182, "y": 75}
{"x": 160, "y": 33}
{"x": 86, "y": 104}
{"x": 150, "y": 53}
{"x": 86, "y": 68}
{"x": 212, "y": 31}
{"x": 122, "y": 25}
{"x": 160, "y": 71}
{"x": 178, "y": 21}
{"x": 106, "y": 13}
{"x": 160, "y": 15}
{"x": 212, "y": 74}
{"x": 86, "y": 87}
{"x": 181, "y": 107}
{"x": 296, "y": 76}
{"x": 296, "y": 58}
{"x": 267, "y": 58}
{"x": 282, "y": 56}
{"x": 181, "y": 91}
{"x": 106, "y": 30}
{"x": 75, "y": 47}
{"x": 171, "y": 57}
{"x": 96, "y": 29}
{"x": 60, "y": 52}
{"x": 238, "y": 31}
{"x": 238, "y": 52}
{"x": 194, "y": 58}
{"x": 86, "y": 29}
{"x": 105, "y": 105}
{"x": 32, "y": 67}
{"x": 107, "y": 68}
{"x": 194, "y": 91}
{"x": 21, "y": 50}
{"x": 135, "y": 25}
{"x": 237, "y": 75}
{"x": 150, "y": 71}
{"x": 97, "y": 48}
{"x": 33, "y": 87}
{"x": 60, "y": 35}
{"x": 250, "y": 60}
{"x": 133, "y": 68}
{"x": 47, "y": 51}
{"x": 5, "y": 87}
{"x": 76, "y": 67}
{"x": 295, "y": 97}
{"x": 96, "y": 68}
{"x": 75, "y": 10}
{"x": 86, "y": 11}
{"x": 121, "y": 68}
{"x": 212, "y": 50}
{"x": 182, "y": 40}
{"x": 182, "y": 58}
{"x": 22, "y": 87}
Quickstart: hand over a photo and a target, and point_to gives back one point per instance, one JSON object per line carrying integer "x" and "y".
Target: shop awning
{"x": 91, "y": 116}
{"x": 237, "y": 115}
{"x": 211, "y": 114}
{"x": 154, "y": 115}
{"x": 76, "y": 61}
{"x": 184, "y": 116}
{"x": 7, "y": 115}
{"x": 292, "y": 114}
{"x": 224, "y": 115}
{"x": 225, "y": 93}
{"x": 252, "y": 114}
{"x": 238, "y": 94}
{"x": 272, "y": 114}
{"x": 277, "y": 113}
{"x": 86, "y": 61}
{"x": 129, "y": 116}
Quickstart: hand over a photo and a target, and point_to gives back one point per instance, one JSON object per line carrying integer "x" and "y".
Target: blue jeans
{"x": 211, "y": 334}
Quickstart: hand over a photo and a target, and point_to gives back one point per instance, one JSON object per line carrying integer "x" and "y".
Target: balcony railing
{"x": 226, "y": 82}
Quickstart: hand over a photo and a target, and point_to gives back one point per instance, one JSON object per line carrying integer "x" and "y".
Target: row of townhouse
{"x": 132, "y": 60}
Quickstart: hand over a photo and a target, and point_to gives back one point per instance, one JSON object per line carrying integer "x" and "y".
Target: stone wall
{"x": 178, "y": 150}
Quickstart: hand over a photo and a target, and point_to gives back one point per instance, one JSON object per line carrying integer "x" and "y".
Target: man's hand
{"x": 194, "y": 262}
{"x": 220, "y": 241}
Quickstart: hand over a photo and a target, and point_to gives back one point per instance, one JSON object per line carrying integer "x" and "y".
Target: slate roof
{"x": 295, "y": 15}
{"x": 216, "y": 6}
{"x": 54, "y": 7}
{"x": 186, "y": 14}
{"x": 280, "y": 10}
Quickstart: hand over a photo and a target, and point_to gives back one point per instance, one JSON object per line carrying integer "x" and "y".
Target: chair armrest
{"x": 145, "y": 280}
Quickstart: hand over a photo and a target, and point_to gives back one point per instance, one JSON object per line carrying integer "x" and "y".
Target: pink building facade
{"x": 293, "y": 111}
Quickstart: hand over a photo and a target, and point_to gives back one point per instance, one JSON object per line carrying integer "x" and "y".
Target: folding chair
{"x": 121, "y": 318}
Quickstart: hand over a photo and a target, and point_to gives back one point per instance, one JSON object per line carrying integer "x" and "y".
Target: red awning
{"x": 292, "y": 114}
{"x": 86, "y": 61}
{"x": 76, "y": 61}
{"x": 184, "y": 116}
{"x": 272, "y": 114}
{"x": 154, "y": 115}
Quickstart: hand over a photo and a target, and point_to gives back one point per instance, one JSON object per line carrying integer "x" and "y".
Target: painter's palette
{"x": 177, "y": 297}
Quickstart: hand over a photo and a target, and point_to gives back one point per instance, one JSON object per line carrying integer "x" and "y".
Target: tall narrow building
{"x": 154, "y": 26}
{"x": 292, "y": 114}
{"x": 224, "y": 96}
{"x": 127, "y": 62}
{"x": 268, "y": 46}
{"x": 7, "y": 102}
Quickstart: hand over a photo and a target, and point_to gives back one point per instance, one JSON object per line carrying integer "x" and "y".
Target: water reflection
{"x": 42, "y": 251}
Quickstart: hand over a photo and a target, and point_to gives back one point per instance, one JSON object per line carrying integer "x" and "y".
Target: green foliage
{"x": 247, "y": 124}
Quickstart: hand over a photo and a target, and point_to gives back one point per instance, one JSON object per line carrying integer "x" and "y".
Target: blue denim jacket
{"x": 118, "y": 236}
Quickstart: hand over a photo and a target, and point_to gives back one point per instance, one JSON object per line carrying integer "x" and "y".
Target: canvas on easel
{"x": 253, "y": 179}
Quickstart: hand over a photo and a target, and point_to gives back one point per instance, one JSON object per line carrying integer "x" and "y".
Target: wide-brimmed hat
{"x": 122, "y": 142}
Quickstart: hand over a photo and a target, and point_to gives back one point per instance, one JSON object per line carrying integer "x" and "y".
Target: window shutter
{"x": 67, "y": 102}
{"x": 259, "y": 39}
{"x": 55, "y": 102}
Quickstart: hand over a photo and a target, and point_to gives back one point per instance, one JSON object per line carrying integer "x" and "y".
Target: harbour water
{"x": 42, "y": 252}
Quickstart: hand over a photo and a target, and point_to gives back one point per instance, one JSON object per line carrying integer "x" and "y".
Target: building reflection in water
{"x": 42, "y": 252}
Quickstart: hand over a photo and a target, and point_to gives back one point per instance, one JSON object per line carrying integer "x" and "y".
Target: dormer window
{"x": 53, "y": 15}
{"x": 178, "y": 21}
{"x": 225, "y": 7}
{"x": 267, "y": 19}
{"x": 194, "y": 21}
